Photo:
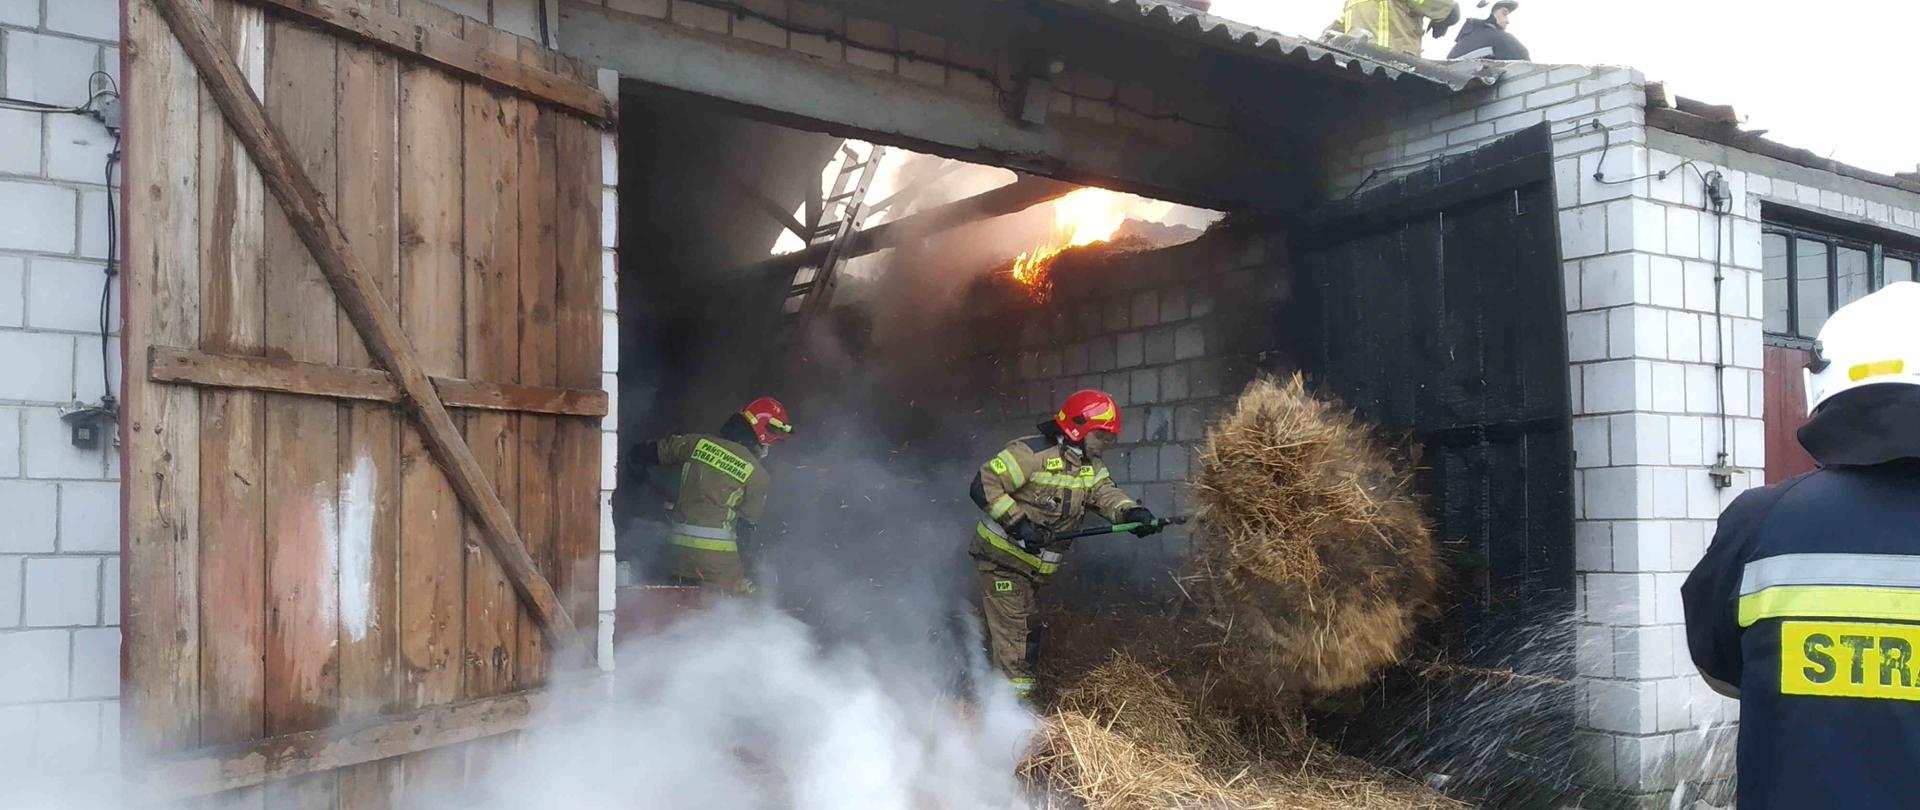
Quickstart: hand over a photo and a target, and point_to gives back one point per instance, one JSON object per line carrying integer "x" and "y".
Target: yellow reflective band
{"x": 1830, "y": 601}
{"x": 1386, "y": 26}
{"x": 1103, "y": 416}
{"x": 704, "y": 544}
{"x": 1883, "y": 368}
{"x": 1012, "y": 472}
{"x": 721, "y": 459}
{"x": 1007, "y": 546}
{"x": 1063, "y": 481}
{"x": 1001, "y": 506}
{"x": 1021, "y": 686}
{"x": 1849, "y": 660}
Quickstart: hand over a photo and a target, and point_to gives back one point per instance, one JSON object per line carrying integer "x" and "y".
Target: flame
{"x": 1083, "y": 217}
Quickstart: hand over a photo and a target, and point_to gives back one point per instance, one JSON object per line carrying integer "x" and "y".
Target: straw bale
{"x": 1125, "y": 738}
{"x": 1314, "y": 559}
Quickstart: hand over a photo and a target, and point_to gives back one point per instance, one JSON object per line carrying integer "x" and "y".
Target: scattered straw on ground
{"x": 1124, "y": 738}
{"x": 1314, "y": 558}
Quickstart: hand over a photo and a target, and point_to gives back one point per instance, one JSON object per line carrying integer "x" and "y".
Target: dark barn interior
{"x": 1427, "y": 303}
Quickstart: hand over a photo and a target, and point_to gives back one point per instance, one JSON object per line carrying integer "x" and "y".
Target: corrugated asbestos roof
{"x": 1342, "y": 52}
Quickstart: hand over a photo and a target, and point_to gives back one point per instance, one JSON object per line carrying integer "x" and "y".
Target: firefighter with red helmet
{"x": 723, "y": 491}
{"x": 1038, "y": 487}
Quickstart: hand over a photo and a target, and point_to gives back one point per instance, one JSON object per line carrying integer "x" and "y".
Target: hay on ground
{"x": 1124, "y": 738}
{"x": 1314, "y": 559}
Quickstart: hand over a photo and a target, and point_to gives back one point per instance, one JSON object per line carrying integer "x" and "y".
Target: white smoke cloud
{"x": 740, "y": 707}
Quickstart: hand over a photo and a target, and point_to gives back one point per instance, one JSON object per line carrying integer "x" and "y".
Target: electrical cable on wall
{"x": 1719, "y": 199}
{"x": 102, "y": 105}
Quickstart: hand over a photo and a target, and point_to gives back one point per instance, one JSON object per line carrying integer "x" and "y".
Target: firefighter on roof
{"x": 1396, "y": 24}
{"x": 1039, "y": 486}
{"x": 1807, "y": 606}
{"x": 723, "y": 491}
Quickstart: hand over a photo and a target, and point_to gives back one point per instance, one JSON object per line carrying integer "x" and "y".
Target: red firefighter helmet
{"x": 769, "y": 420}
{"x": 1086, "y": 412}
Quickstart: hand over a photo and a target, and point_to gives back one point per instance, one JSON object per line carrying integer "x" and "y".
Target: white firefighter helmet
{"x": 1872, "y": 341}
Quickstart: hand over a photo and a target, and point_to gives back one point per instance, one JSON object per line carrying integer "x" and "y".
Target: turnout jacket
{"x": 1807, "y": 606}
{"x": 1395, "y": 24}
{"x": 1048, "y": 482}
{"x": 721, "y": 486}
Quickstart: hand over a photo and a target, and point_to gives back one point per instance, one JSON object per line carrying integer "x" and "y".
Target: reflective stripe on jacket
{"x": 1046, "y": 482}
{"x": 721, "y": 484}
{"x": 1395, "y": 24}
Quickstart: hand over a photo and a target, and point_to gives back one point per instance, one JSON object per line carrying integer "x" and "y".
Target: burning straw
{"x": 1124, "y": 738}
{"x": 1313, "y": 556}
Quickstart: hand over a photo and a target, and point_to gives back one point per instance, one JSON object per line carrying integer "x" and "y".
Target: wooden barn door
{"x": 360, "y": 449}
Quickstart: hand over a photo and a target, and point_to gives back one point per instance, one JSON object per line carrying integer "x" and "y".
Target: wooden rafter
{"x": 187, "y": 367}
{"x": 206, "y": 771}
{"x": 360, "y": 298}
{"x": 390, "y": 32}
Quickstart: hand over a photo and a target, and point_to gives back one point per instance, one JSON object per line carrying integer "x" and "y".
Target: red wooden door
{"x": 1786, "y": 411}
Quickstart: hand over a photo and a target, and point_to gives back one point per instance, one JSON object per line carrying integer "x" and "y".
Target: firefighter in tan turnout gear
{"x": 1396, "y": 24}
{"x": 723, "y": 492}
{"x": 1036, "y": 488}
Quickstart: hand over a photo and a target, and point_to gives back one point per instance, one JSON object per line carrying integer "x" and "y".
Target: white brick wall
{"x": 59, "y": 564}
{"x": 609, "y": 368}
{"x": 1644, "y": 340}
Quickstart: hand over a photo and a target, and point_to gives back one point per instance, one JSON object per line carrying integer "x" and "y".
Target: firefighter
{"x": 1039, "y": 486}
{"x": 1396, "y": 24}
{"x": 723, "y": 491}
{"x": 1489, "y": 38}
{"x": 1806, "y": 607}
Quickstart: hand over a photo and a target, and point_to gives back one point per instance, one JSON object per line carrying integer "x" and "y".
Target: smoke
{"x": 742, "y": 706}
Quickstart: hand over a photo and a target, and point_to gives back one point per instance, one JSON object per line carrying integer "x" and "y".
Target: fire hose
{"x": 1122, "y": 528}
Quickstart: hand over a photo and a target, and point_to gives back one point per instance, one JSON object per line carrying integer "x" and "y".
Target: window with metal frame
{"x": 1808, "y": 273}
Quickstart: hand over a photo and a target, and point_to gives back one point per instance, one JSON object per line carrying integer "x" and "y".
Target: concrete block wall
{"x": 59, "y": 555}
{"x": 1645, "y": 346}
{"x": 1666, "y": 372}
{"x": 609, "y": 366}
{"x": 826, "y": 33}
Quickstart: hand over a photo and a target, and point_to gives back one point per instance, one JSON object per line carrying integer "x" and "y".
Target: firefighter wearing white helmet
{"x": 1807, "y": 605}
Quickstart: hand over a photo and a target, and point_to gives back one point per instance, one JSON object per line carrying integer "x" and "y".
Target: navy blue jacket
{"x": 1808, "y": 603}
{"x": 1481, "y": 39}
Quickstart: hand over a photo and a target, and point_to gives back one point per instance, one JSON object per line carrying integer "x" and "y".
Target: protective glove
{"x": 1144, "y": 517}
{"x": 1440, "y": 28}
{"x": 1031, "y": 536}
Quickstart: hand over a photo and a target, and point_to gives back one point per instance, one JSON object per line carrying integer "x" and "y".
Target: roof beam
{"x": 1014, "y": 197}
{"x": 1211, "y": 167}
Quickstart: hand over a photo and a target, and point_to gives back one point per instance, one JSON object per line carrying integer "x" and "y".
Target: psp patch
{"x": 1849, "y": 660}
{"x": 1003, "y": 586}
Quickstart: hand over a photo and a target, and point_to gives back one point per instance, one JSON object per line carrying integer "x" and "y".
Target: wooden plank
{"x": 262, "y": 374}
{"x": 254, "y": 762}
{"x": 432, "y": 298}
{"x": 451, "y": 53}
{"x": 493, "y": 131}
{"x": 160, "y": 566}
{"x": 302, "y": 433}
{"x": 369, "y": 521}
{"x": 578, "y": 333}
{"x": 233, "y": 618}
{"x": 185, "y": 367}
{"x": 538, "y": 353}
{"x": 532, "y": 399}
{"x": 317, "y": 227}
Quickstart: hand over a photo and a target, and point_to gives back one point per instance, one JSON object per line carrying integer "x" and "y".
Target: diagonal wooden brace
{"x": 372, "y": 317}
